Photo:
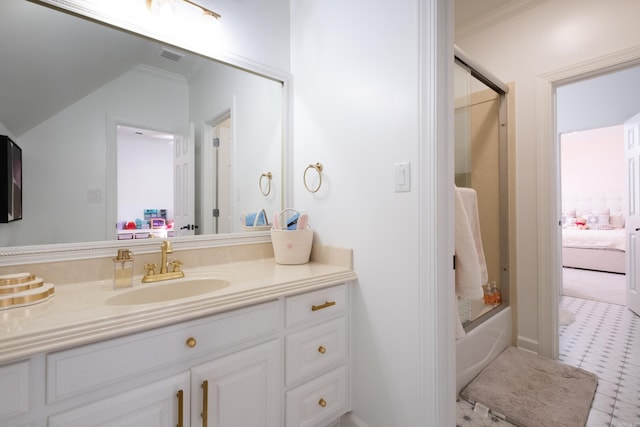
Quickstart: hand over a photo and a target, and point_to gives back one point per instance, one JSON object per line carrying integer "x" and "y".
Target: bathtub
{"x": 480, "y": 346}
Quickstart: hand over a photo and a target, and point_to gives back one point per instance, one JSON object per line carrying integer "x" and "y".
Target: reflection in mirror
{"x": 72, "y": 88}
{"x": 480, "y": 165}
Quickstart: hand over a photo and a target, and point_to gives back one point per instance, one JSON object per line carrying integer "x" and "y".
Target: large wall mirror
{"x": 73, "y": 90}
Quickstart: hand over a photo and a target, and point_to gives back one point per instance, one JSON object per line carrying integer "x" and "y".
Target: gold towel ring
{"x": 318, "y": 168}
{"x": 267, "y": 175}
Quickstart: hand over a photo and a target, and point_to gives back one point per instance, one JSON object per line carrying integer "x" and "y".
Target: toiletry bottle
{"x": 488, "y": 295}
{"x": 123, "y": 269}
{"x": 497, "y": 297}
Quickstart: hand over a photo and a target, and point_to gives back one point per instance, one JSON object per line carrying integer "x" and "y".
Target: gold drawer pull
{"x": 322, "y": 350}
{"x": 191, "y": 342}
{"x": 205, "y": 402}
{"x": 321, "y": 306}
{"x": 322, "y": 403}
{"x": 180, "y": 408}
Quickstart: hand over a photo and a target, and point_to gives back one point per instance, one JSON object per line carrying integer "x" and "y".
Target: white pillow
{"x": 599, "y": 220}
{"x": 616, "y": 220}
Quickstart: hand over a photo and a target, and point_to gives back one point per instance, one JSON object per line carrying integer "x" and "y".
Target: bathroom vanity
{"x": 271, "y": 348}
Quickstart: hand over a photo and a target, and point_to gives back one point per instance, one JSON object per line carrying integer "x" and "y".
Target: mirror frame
{"x": 107, "y": 15}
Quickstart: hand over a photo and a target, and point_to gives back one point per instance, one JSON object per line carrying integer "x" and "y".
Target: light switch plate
{"x": 402, "y": 177}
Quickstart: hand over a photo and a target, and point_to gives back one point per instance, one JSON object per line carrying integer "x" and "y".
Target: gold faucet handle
{"x": 176, "y": 265}
{"x": 150, "y": 269}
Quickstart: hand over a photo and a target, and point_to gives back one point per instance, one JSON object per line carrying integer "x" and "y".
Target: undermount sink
{"x": 168, "y": 291}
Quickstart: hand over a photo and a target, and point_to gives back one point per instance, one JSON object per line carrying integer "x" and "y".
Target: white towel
{"x": 470, "y": 200}
{"x": 468, "y": 274}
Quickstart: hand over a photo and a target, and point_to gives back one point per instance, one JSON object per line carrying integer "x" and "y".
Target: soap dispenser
{"x": 123, "y": 269}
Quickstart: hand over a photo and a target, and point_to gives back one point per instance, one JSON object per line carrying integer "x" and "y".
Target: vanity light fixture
{"x": 207, "y": 12}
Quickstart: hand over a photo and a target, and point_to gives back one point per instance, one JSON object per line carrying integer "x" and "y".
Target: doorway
{"x": 216, "y": 192}
{"x": 588, "y": 96}
{"x": 145, "y": 188}
{"x": 592, "y": 226}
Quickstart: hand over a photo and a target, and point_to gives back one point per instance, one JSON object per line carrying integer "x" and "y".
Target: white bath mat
{"x": 532, "y": 391}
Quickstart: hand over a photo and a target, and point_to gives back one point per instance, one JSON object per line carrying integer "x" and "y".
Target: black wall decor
{"x": 10, "y": 180}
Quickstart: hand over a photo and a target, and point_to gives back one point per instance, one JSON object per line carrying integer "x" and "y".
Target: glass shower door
{"x": 480, "y": 164}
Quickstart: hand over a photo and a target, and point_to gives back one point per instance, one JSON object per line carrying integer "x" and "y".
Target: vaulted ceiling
{"x": 53, "y": 59}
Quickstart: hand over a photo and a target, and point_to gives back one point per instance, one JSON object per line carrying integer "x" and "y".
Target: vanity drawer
{"x": 316, "y": 348}
{"x": 14, "y": 389}
{"x": 318, "y": 402}
{"x": 87, "y": 368}
{"x": 315, "y": 306}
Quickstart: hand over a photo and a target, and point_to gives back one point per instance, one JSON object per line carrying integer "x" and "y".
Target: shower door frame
{"x": 487, "y": 78}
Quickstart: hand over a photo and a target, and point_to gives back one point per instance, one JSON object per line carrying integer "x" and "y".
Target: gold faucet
{"x": 164, "y": 274}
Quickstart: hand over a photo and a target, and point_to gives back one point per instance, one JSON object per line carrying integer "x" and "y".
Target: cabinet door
{"x": 241, "y": 389}
{"x": 161, "y": 404}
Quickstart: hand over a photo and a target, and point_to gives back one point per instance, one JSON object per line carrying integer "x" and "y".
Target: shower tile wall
{"x": 604, "y": 339}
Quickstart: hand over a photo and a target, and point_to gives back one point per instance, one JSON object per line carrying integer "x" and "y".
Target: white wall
{"x": 592, "y": 162}
{"x": 60, "y": 168}
{"x": 600, "y": 101}
{"x": 544, "y": 39}
{"x": 255, "y": 29}
{"x": 257, "y": 105}
{"x": 145, "y": 176}
{"x": 357, "y": 73}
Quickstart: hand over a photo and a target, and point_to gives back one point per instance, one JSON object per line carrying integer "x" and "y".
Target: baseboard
{"x": 528, "y": 344}
{"x": 351, "y": 420}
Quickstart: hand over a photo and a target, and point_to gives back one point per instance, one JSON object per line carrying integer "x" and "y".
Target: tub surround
{"x": 78, "y": 313}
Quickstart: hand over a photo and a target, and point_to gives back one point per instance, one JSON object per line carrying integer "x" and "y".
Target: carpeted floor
{"x": 594, "y": 285}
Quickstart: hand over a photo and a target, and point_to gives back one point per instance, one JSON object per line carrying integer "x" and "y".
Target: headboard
{"x": 600, "y": 210}
{"x": 593, "y": 202}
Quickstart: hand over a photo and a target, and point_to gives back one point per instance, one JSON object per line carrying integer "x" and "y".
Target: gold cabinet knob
{"x": 322, "y": 350}
{"x": 322, "y": 403}
{"x": 191, "y": 342}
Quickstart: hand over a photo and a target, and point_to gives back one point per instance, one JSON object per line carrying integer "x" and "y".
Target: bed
{"x": 593, "y": 234}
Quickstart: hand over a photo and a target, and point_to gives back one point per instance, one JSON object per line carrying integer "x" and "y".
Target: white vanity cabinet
{"x": 14, "y": 389}
{"x": 316, "y": 349}
{"x": 241, "y": 389}
{"x": 159, "y": 404}
{"x": 278, "y": 363}
{"x": 154, "y": 378}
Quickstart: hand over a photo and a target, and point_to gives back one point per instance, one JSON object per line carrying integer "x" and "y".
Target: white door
{"x": 632, "y": 184}
{"x": 184, "y": 183}
{"x": 215, "y": 178}
{"x": 224, "y": 177}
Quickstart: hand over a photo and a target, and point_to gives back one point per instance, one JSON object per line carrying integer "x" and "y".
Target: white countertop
{"x": 78, "y": 314}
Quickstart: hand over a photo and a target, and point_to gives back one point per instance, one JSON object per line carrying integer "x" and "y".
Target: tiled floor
{"x": 605, "y": 339}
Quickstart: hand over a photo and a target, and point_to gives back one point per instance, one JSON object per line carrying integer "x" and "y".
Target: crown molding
{"x": 496, "y": 16}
